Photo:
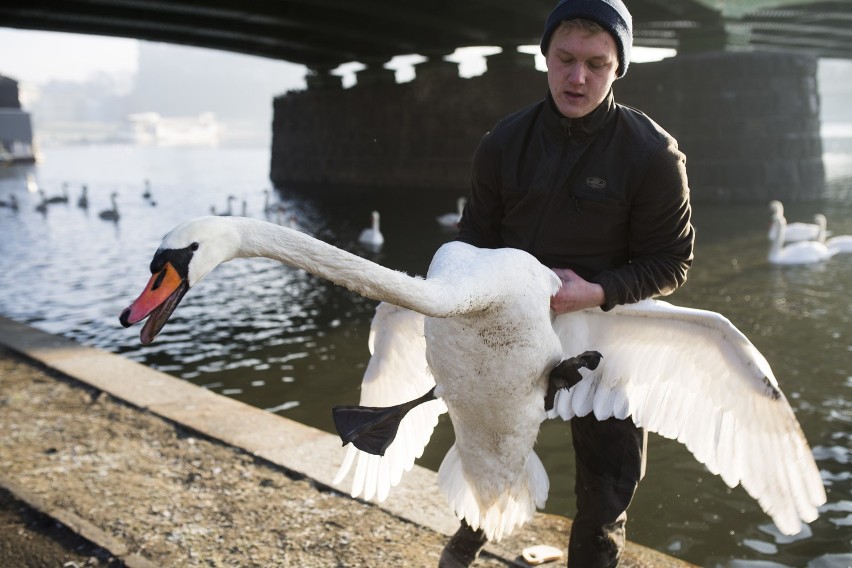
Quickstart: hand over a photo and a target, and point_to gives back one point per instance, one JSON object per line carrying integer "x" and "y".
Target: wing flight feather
{"x": 691, "y": 375}
{"x": 397, "y": 372}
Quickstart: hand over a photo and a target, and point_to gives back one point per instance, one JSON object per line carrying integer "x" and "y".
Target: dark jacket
{"x": 605, "y": 195}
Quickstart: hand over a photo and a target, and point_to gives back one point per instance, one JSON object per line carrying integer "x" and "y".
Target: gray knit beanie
{"x": 612, "y": 15}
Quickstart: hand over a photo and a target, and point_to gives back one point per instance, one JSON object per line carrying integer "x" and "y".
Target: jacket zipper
{"x": 565, "y": 141}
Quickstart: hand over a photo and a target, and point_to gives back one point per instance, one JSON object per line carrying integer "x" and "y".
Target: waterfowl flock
{"x": 272, "y": 209}
{"x": 802, "y": 243}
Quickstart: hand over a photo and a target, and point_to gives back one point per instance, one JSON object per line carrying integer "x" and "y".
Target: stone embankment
{"x": 155, "y": 471}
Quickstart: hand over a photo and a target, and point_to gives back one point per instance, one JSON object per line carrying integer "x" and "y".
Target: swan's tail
{"x": 514, "y": 507}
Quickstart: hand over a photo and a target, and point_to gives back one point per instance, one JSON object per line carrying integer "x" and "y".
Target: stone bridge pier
{"x": 748, "y": 123}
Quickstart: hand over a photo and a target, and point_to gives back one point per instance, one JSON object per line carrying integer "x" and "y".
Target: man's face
{"x": 581, "y": 67}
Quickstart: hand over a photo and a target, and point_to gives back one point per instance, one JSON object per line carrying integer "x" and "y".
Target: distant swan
{"x": 801, "y": 252}
{"x": 112, "y": 213}
{"x": 12, "y": 203}
{"x": 794, "y": 231}
{"x": 60, "y": 198}
{"x": 229, "y": 210}
{"x": 836, "y": 244}
{"x": 452, "y": 219}
{"x": 372, "y": 236}
{"x": 83, "y": 201}
{"x": 42, "y": 205}
{"x": 479, "y": 330}
{"x": 272, "y": 207}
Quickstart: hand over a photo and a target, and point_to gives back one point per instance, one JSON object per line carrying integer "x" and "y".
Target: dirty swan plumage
{"x": 479, "y": 326}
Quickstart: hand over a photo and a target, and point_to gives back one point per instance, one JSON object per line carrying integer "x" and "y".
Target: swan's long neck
{"x": 821, "y": 222}
{"x": 262, "y": 239}
{"x": 779, "y": 225}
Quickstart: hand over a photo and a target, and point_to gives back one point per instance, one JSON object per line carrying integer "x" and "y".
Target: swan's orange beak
{"x": 161, "y": 296}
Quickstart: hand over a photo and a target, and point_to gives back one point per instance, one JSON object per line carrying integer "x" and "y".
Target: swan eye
{"x": 193, "y": 247}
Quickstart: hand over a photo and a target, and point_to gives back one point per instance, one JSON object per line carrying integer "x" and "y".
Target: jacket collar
{"x": 583, "y": 126}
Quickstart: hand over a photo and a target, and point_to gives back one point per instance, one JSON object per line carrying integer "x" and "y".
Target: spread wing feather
{"x": 692, "y": 376}
{"x": 397, "y": 372}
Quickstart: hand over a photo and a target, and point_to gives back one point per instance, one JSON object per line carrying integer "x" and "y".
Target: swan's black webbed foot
{"x": 372, "y": 429}
{"x": 567, "y": 374}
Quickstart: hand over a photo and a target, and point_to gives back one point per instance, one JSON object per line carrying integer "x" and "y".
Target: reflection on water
{"x": 279, "y": 339}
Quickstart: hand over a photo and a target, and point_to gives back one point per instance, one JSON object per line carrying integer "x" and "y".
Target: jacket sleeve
{"x": 480, "y": 222}
{"x": 661, "y": 234}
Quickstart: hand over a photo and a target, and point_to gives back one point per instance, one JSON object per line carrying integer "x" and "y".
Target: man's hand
{"x": 575, "y": 293}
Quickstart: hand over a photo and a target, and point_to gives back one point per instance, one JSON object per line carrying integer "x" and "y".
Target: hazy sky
{"x": 37, "y": 57}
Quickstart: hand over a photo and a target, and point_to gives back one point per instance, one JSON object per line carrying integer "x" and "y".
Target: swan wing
{"x": 691, "y": 375}
{"x": 397, "y": 372}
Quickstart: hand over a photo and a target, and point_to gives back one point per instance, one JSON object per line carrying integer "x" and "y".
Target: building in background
{"x": 16, "y": 131}
{"x": 150, "y": 128}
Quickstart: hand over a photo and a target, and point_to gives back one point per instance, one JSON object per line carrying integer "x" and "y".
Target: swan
{"x": 12, "y": 203}
{"x": 60, "y": 198}
{"x": 147, "y": 195}
{"x": 836, "y": 244}
{"x": 83, "y": 201}
{"x": 372, "y": 236}
{"x": 795, "y": 231}
{"x": 801, "y": 252}
{"x": 272, "y": 207}
{"x": 479, "y": 331}
{"x": 452, "y": 219}
{"x": 112, "y": 213}
{"x": 228, "y": 211}
{"x": 42, "y": 205}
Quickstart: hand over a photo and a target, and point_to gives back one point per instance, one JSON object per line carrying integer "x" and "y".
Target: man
{"x": 598, "y": 192}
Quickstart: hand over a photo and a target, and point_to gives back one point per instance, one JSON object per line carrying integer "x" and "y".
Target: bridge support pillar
{"x": 321, "y": 78}
{"x": 747, "y": 122}
{"x": 375, "y": 74}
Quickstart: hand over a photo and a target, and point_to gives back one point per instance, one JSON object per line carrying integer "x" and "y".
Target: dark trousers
{"x": 610, "y": 458}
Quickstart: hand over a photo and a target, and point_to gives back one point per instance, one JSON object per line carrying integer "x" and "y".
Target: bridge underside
{"x": 322, "y": 34}
{"x": 740, "y": 96}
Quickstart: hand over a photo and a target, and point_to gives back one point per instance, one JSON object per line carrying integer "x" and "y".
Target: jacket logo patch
{"x": 595, "y": 183}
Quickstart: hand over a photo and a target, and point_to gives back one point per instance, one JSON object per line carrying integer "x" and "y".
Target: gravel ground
{"x": 29, "y": 539}
{"x": 169, "y": 495}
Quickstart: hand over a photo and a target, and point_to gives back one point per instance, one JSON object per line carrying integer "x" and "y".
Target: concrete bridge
{"x": 322, "y": 34}
{"x": 741, "y": 95}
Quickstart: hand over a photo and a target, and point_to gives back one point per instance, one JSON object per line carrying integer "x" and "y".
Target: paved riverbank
{"x": 157, "y": 472}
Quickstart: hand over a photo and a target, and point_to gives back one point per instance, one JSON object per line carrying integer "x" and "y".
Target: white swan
{"x": 480, "y": 328}
{"x": 836, "y": 244}
{"x": 110, "y": 214}
{"x": 83, "y": 201}
{"x": 452, "y": 219}
{"x": 801, "y": 252}
{"x": 795, "y": 231}
{"x": 229, "y": 210}
{"x": 42, "y": 205}
{"x": 12, "y": 203}
{"x": 372, "y": 236}
{"x": 272, "y": 207}
{"x": 63, "y": 198}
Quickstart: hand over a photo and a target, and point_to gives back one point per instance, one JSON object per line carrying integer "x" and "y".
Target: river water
{"x": 282, "y": 340}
